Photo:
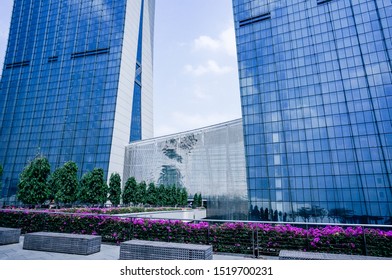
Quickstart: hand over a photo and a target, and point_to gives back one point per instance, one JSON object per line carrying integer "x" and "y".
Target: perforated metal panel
{"x": 153, "y": 250}
{"x": 9, "y": 235}
{"x": 209, "y": 160}
{"x": 62, "y": 243}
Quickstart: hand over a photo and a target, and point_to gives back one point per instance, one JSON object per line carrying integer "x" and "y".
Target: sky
{"x": 195, "y": 64}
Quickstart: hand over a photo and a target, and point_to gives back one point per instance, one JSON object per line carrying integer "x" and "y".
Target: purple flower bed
{"x": 238, "y": 237}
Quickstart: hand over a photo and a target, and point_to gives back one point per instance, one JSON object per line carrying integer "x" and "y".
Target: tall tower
{"x": 76, "y": 83}
{"x": 316, "y": 93}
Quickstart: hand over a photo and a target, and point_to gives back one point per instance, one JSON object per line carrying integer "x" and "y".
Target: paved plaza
{"x": 108, "y": 252}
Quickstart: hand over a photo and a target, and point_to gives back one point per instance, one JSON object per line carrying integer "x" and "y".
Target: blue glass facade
{"x": 63, "y": 84}
{"x": 316, "y": 93}
{"x": 136, "y": 120}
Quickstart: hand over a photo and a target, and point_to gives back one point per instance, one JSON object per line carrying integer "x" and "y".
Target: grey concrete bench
{"x": 62, "y": 243}
{"x": 299, "y": 255}
{"x": 154, "y": 250}
{"x": 9, "y": 235}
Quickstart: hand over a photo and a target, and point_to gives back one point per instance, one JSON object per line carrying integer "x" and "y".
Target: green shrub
{"x": 237, "y": 237}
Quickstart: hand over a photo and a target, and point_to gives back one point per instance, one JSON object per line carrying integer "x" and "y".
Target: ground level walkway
{"x": 108, "y": 252}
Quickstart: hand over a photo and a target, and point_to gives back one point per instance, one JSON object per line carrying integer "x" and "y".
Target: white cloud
{"x": 211, "y": 67}
{"x": 206, "y": 42}
{"x": 225, "y": 42}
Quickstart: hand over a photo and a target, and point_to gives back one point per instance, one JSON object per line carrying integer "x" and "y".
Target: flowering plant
{"x": 239, "y": 237}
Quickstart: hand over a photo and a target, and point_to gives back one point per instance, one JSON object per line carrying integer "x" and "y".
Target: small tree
{"x": 152, "y": 194}
{"x": 115, "y": 189}
{"x": 195, "y": 201}
{"x": 183, "y": 197}
{"x": 63, "y": 183}
{"x": 130, "y": 187}
{"x": 200, "y": 200}
{"x": 162, "y": 196}
{"x": 84, "y": 193}
{"x": 33, "y": 182}
{"x": 171, "y": 195}
{"x": 93, "y": 187}
{"x": 140, "y": 195}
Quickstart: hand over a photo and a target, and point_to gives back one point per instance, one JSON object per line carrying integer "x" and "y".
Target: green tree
{"x": 83, "y": 195}
{"x": 183, "y": 197}
{"x": 63, "y": 183}
{"x": 178, "y": 196}
{"x": 93, "y": 188}
{"x": 130, "y": 189}
{"x": 33, "y": 185}
{"x": 162, "y": 195}
{"x": 195, "y": 202}
{"x": 140, "y": 195}
{"x": 172, "y": 195}
{"x": 152, "y": 194}
{"x": 115, "y": 189}
{"x": 199, "y": 200}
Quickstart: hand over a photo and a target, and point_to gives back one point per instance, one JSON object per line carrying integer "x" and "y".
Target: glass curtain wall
{"x": 316, "y": 98}
{"x": 60, "y": 92}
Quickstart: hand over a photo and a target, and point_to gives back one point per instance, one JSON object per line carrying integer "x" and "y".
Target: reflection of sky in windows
{"x": 64, "y": 61}
{"x": 314, "y": 82}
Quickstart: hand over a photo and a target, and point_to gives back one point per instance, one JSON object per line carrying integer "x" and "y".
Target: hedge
{"x": 243, "y": 238}
{"x": 114, "y": 210}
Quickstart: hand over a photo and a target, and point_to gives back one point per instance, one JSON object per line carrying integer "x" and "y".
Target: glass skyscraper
{"x": 316, "y": 94}
{"x": 76, "y": 83}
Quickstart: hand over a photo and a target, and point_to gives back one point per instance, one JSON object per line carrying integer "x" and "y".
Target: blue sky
{"x": 195, "y": 66}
